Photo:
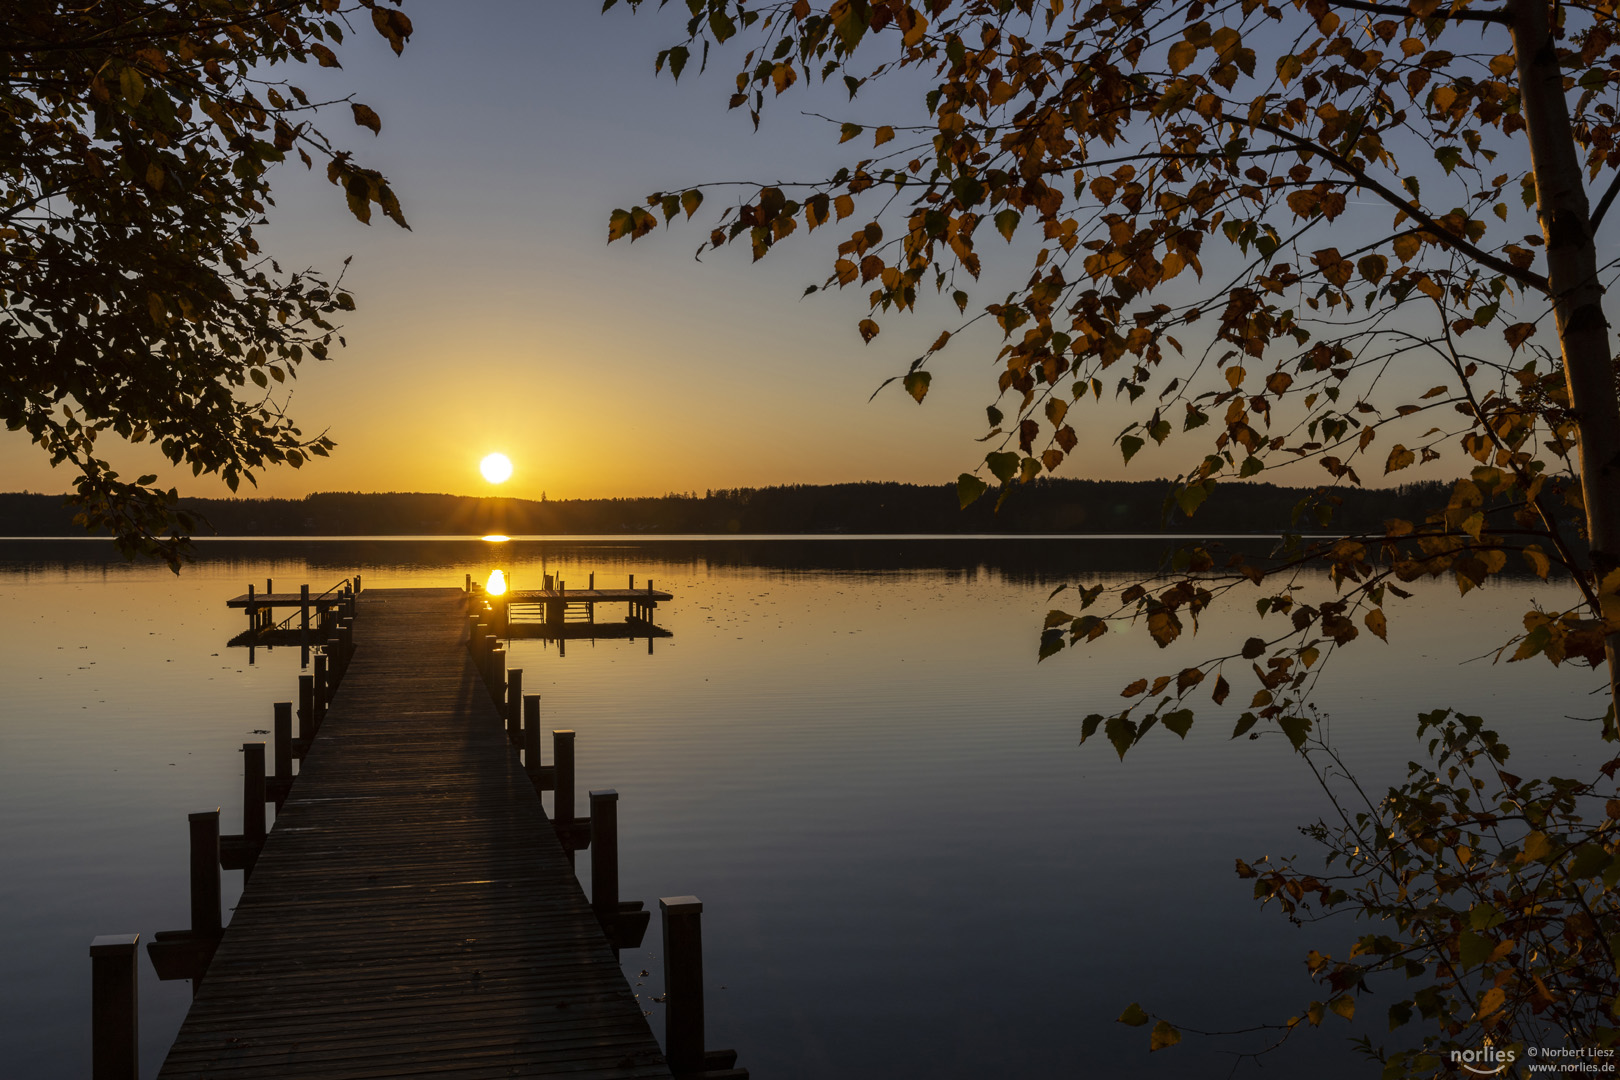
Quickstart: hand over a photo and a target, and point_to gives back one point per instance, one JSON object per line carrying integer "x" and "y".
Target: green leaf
{"x": 1129, "y": 445}
{"x": 968, "y": 489}
{"x": 1191, "y": 497}
{"x": 1251, "y": 466}
{"x": 1003, "y": 464}
{"x": 1590, "y": 861}
{"x": 1473, "y": 949}
{"x": 1121, "y": 732}
{"x": 1180, "y": 721}
{"x": 1245, "y": 722}
{"x": 1051, "y": 643}
{"x": 1297, "y": 728}
{"x": 1088, "y": 728}
{"x": 1007, "y": 222}
{"x": 1133, "y": 1016}
{"x": 916, "y": 384}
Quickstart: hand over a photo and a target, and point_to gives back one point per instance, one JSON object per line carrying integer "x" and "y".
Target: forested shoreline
{"x": 1044, "y": 506}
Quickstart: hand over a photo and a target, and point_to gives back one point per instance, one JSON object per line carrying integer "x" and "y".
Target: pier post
{"x": 495, "y": 677}
{"x": 592, "y": 580}
{"x": 531, "y": 735}
{"x": 303, "y": 616}
{"x": 514, "y": 706}
{"x": 683, "y": 983}
{"x": 605, "y": 858}
{"x": 253, "y": 827}
{"x": 253, "y": 623}
{"x": 562, "y": 760}
{"x": 114, "y": 1007}
{"x": 284, "y": 755}
{"x": 317, "y": 684}
{"x": 306, "y": 711}
{"x": 205, "y": 913}
{"x": 334, "y": 666}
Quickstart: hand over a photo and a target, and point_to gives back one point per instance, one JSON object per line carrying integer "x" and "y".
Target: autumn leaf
{"x": 365, "y": 117}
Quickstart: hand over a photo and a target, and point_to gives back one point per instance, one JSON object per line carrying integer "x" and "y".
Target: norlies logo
{"x": 1486, "y": 1061}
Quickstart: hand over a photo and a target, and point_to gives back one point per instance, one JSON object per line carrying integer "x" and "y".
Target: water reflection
{"x": 846, "y": 748}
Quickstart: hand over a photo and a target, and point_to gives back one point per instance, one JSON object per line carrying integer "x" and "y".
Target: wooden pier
{"x": 414, "y": 912}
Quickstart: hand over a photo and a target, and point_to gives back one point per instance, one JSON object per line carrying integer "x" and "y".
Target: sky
{"x": 504, "y": 322}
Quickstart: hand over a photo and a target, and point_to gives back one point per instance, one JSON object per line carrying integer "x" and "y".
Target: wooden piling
{"x": 514, "y": 706}
{"x": 562, "y": 760}
{"x": 303, "y": 616}
{"x": 306, "y": 711}
{"x": 605, "y": 858}
{"x": 205, "y": 902}
{"x": 284, "y": 748}
{"x": 496, "y": 676}
{"x": 319, "y": 691}
{"x": 114, "y": 1007}
{"x": 253, "y": 820}
{"x": 531, "y": 737}
{"x": 683, "y": 983}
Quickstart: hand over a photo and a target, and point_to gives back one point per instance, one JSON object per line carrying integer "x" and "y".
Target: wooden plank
{"x": 411, "y": 913}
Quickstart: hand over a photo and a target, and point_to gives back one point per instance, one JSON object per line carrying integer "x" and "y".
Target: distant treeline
{"x": 1045, "y": 506}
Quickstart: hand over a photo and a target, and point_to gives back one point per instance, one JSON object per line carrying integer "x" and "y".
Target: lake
{"x": 909, "y": 867}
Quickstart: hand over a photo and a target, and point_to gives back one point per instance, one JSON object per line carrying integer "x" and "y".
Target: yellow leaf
{"x": 868, "y": 329}
{"x": 843, "y": 206}
{"x": 1182, "y": 53}
{"x": 1345, "y": 1006}
{"x": 1234, "y": 376}
{"x": 1377, "y": 624}
{"x": 1406, "y": 246}
{"x": 1494, "y": 998}
{"x": 1163, "y": 1035}
{"x": 1536, "y": 846}
{"x": 365, "y": 117}
{"x": 883, "y": 135}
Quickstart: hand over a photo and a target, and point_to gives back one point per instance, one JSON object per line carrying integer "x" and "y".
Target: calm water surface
{"x": 847, "y": 750}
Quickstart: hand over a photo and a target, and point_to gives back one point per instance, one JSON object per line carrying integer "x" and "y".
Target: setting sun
{"x": 497, "y": 468}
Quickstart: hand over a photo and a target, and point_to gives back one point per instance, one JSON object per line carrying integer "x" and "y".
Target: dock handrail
{"x": 286, "y": 624}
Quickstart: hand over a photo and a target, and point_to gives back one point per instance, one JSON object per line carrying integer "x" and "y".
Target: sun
{"x": 497, "y": 468}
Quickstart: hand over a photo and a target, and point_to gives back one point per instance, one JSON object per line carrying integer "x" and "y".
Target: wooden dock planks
{"x": 412, "y": 914}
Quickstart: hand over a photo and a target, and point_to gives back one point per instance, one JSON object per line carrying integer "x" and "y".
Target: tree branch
{"x": 1427, "y": 223}
{"x": 1399, "y": 12}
